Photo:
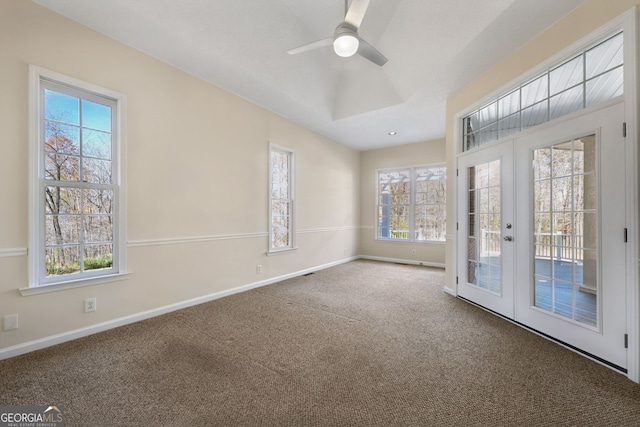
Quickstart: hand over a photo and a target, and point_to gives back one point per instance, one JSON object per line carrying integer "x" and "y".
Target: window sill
{"x": 71, "y": 284}
{"x": 281, "y": 251}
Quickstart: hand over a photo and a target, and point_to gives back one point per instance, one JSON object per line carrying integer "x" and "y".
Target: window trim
{"x": 412, "y": 205}
{"x": 36, "y": 206}
{"x": 292, "y": 197}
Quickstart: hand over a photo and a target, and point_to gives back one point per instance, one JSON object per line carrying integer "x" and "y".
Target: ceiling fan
{"x": 345, "y": 40}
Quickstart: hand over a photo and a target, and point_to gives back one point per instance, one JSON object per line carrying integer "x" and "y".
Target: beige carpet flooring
{"x": 361, "y": 344}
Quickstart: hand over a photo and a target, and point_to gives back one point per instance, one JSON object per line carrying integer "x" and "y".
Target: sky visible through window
{"x": 59, "y": 105}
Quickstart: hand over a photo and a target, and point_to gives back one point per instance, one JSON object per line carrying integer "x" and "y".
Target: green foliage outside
{"x": 102, "y": 261}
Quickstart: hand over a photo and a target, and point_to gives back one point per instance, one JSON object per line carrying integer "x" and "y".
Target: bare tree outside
{"x": 431, "y": 204}
{"x": 565, "y": 226}
{"x": 281, "y": 199}
{"x": 413, "y": 217}
{"x": 78, "y": 192}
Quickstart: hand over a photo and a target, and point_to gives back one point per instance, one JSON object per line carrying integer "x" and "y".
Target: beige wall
{"x": 424, "y": 153}
{"x": 197, "y": 162}
{"x": 592, "y": 15}
{"x": 197, "y": 168}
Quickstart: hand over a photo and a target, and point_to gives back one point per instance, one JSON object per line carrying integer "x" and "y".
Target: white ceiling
{"x": 434, "y": 48}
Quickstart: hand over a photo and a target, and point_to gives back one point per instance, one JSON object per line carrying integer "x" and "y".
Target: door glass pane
{"x": 565, "y": 230}
{"x": 483, "y": 250}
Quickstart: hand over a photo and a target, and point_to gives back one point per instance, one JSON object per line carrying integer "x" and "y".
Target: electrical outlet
{"x": 90, "y": 304}
{"x": 413, "y": 251}
{"x": 10, "y": 322}
{"x": 259, "y": 269}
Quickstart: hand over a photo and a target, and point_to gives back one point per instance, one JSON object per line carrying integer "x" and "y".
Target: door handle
{"x": 508, "y": 238}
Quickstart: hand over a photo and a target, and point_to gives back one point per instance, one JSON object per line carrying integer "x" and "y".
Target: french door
{"x": 485, "y": 231}
{"x": 571, "y": 262}
{"x": 553, "y": 256}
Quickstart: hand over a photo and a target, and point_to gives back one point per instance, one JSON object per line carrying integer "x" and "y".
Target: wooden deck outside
{"x": 558, "y": 287}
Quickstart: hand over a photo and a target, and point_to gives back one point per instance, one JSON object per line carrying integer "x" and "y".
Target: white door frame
{"x": 628, "y": 23}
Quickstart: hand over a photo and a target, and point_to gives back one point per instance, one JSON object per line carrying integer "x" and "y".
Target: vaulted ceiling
{"x": 434, "y": 48}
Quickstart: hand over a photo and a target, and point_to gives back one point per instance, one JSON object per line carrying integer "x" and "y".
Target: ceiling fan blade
{"x": 356, "y": 12}
{"x": 371, "y": 53}
{"x": 311, "y": 46}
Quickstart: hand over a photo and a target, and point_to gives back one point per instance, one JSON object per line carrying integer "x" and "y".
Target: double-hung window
{"x": 281, "y": 199}
{"x": 76, "y": 187}
{"x": 412, "y": 204}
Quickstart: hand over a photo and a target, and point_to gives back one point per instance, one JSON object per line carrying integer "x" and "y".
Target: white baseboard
{"x": 450, "y": 291}
{"x": 402, "y": 261}
{"x": 52, "y": 340}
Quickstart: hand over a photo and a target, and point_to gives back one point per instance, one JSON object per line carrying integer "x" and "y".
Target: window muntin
{"x": 281, "y": 199}
{"x": 594, "y": 76}
{"x": 411, "y": 204}
{"x": 77, "y": 188}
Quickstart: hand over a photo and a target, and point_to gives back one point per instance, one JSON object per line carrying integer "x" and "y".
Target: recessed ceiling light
{"x": 392, "y": 133}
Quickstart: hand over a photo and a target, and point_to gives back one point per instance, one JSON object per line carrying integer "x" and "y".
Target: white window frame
{"x": 38, "y": 282}
{"x": 411, "y": 206}
{"x": 273, "y": 250}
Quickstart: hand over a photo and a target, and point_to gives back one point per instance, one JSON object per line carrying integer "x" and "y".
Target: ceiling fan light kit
{"x": 345, "y": 42}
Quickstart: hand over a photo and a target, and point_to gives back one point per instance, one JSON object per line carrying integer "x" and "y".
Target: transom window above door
{"x": 593, "y": 76}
